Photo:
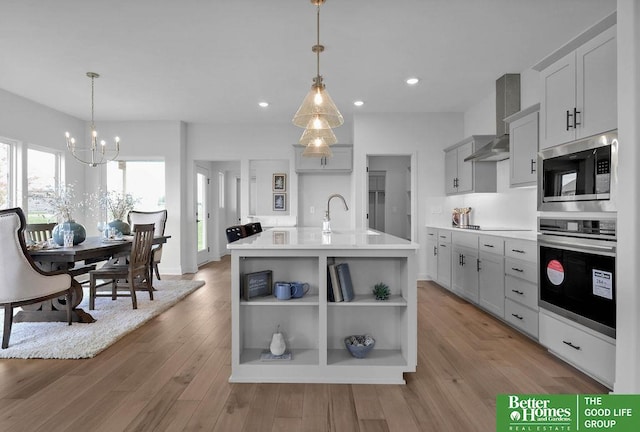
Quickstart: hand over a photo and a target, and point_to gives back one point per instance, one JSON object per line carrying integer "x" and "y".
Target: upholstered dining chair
{"x": 21, "y": 282}
{"x": 39, "y": 232}
{"x": 126, "y": 272}
{"x": 159, "y": 219}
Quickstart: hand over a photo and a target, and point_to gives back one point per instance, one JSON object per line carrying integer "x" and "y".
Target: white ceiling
{"x": 214, "y": 60}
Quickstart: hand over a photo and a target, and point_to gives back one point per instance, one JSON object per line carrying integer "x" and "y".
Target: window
{"x": 6, "y": 194}
{"x": 144, "y": 180}
{"x": 43, "y": 176}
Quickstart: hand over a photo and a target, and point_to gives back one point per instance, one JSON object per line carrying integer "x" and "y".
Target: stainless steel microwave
{"x": 580, "y": 175}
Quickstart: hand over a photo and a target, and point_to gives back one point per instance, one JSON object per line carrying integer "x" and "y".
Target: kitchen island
{"x": 315, "y": 328}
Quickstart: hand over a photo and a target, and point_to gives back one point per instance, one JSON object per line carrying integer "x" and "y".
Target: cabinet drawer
{"x": 521, "y": 317}
{"x": 491, "y": 244}
{"x": 432, "y": 233}
{"x": 521, "y": 269}
{"x": 465, "y": 239}
{"x": 588, "y": 352}
{"x": 444, "y": 236}
{"x": 521, "y": 249}
{"x": 521, "y": 291}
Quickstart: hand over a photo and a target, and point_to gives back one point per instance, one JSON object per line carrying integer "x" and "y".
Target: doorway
{"x": 202, "y": 214}
{"x": 390, "y": 201}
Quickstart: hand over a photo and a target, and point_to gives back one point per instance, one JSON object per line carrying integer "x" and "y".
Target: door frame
{"x": 203, "y": 256}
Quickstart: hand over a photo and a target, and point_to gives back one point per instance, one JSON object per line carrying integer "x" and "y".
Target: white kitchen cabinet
{"x": 466, "y": 177}
{"x": 491, "y": 277}
{"x": 587, "y": 350}
{"x": 521, "y": 285}
{"x": 432, "y": 254}
{"x": 464, "y": 272}
{"x": 523, "y": 146}
{"x": 444, "y": 258}
{"x": 315, "y": 328}
{"x": 340, "y": 162}
{"x": 579, "y": 87}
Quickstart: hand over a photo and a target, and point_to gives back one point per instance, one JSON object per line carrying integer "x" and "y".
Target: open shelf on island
{"x": 370, "y": 300}
{"x": 377, "y": 357}
{"x": 298, "y": 357}
{"x": 308, "y": 300}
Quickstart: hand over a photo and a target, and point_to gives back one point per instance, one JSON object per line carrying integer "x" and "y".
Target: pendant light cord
{"x": 318, "y": 39}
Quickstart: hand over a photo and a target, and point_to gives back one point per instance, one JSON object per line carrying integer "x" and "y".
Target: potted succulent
{"x": 118, "y": 206}
{"x": 63, "y": 202}
{"x": 381, "y": 291}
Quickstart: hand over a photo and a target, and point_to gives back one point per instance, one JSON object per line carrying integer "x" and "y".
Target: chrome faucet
{"x": 326, "y": 223}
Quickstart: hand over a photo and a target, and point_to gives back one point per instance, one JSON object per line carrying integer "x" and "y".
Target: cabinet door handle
{"x": 517, "y": 251}
{"x": 533, "y": 166}
{"x": 444, "y": 246}
{"x": 488, "y": 245}
{"x": 575, "y": 117}
{"x": 478, "y": 264}
{"x": 517, "y": 269}
{"x": 518, "y": 292}
{"x": 575, "y": 347}
{"x": 435, "y": 250}
{"x": 569, "y": 115}
{"x": 519, "y": 317}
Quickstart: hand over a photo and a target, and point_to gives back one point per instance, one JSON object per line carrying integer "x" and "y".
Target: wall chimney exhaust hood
{"x": 507, "y": 103}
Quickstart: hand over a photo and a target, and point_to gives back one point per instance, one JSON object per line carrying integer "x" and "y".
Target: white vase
{"x": 277, "y": 346}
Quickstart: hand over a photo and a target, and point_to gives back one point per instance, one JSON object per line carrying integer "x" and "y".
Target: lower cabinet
{"x": 587, "y": 350}
{"x": 464, "y": 272}
{"x": 491, "y": 283}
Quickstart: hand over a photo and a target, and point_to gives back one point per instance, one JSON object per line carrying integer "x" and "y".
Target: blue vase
{"x": 121, "y": 226}
{"x": 79, "y": 233}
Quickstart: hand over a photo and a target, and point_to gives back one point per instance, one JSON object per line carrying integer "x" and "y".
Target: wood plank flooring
{"x": 172, "y": 375}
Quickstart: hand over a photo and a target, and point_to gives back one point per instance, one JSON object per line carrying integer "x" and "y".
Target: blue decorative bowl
{"x": 359, "y": 345}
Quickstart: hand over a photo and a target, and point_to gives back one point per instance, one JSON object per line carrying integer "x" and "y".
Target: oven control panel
{"x": 592, "y": 228}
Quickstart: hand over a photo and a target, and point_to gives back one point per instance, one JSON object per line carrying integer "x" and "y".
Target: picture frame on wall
{"x": 279, "y": 201}
{"x": 279, "y": 182}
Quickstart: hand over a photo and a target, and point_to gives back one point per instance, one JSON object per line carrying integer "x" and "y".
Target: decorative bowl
{"x": 359, "y": 345}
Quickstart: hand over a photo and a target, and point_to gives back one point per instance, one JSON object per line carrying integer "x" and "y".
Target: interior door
{"x": 202, "y": 214}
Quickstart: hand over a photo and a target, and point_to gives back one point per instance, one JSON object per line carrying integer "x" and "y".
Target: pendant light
{"x": 318, "y": 113}
{"x": 95, "y": 153}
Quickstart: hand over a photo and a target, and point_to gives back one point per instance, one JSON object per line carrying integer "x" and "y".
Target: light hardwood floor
{"x": 172, "y": 374}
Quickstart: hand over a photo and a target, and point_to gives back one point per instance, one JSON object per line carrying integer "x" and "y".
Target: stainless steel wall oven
{"x": 577, "y": 269}
{"x": 579, "y": 176}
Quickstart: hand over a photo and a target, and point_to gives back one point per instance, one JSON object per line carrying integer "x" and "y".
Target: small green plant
{"x": 381, "y": 291}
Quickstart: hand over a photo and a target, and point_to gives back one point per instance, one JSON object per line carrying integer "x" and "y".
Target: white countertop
{"x": 313, "y": 238}
{"x": 514, "y": 233}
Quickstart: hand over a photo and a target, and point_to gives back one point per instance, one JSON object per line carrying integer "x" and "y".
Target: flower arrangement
{"x": 118, "y": 204}
{"x": 63, "y": 202}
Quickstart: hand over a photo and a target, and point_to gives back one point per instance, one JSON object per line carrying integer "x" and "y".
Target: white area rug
{"x": 114, "y": 319}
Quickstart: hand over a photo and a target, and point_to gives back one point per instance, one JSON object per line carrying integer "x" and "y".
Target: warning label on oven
{"x": 555, "y": 272}
{"x": 602, "y": 284}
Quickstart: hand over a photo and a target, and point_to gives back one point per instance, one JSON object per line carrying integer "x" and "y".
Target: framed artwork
{"x": 279, "y": 182}
{"x": 257, "y": 284}
{"x": 279, "y": 201}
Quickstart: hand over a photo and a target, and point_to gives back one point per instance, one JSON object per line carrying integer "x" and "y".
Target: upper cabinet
{"x": 464, "y": 177}
{"x": 523, "y": 146}
{"x": 340, "y": 162}
{"x": 578, "y": 84}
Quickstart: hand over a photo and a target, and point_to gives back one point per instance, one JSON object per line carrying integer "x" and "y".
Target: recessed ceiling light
{"x": 263, "y": 104}
{"x": 412, "y": 81}
{"x": 358, "y": 103}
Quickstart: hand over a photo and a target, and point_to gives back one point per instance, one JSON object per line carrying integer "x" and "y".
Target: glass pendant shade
{"x": 311, "y": 133}
{"x": 318, "y": 103}
{"x": 317, "y": 148}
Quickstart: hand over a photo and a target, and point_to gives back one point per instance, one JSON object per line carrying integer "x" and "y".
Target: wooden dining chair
{"x": 22, "y": 282}
{"x": 159, "y": 219}
{"x": 39, "y": 232}
{"x": 128, "y": 273}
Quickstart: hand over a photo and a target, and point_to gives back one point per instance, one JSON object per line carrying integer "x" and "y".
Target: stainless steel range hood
{"x": 507, "y": 103}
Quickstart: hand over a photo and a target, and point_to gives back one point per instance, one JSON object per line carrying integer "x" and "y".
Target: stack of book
{"x": 339, "y": 285}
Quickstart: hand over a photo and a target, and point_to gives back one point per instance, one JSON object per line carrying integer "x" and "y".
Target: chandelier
{"x": 93, "y": 154}
{"x": 317, "y": 113}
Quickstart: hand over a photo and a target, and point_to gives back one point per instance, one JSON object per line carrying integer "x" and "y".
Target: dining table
{"x": 91, "y": 251}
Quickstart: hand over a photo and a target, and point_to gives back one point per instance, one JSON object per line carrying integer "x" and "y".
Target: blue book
{"x": 344, "y": 276}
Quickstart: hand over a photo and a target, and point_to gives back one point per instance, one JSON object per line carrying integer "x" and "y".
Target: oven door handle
{"x": 578, "y": 245}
